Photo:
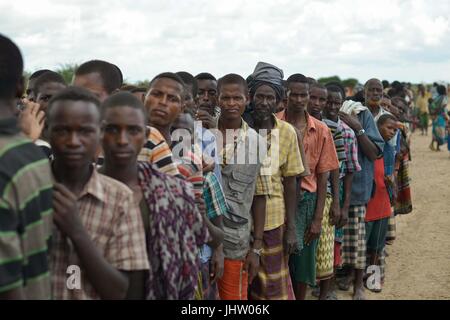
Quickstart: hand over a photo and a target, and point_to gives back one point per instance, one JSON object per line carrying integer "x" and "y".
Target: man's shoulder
{"x": 113, "y": 186}
{"x": 163, "y": 180}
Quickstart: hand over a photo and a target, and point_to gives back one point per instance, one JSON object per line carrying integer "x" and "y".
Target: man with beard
{"x": 285, "y": 163}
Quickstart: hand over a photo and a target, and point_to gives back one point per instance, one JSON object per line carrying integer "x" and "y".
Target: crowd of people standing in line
{"x": 101, "y": 197}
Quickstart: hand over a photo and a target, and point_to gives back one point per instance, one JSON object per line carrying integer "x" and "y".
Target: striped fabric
{"x": 190, "y": 168}
{"x": 272, "y": 280}
{"x": 157, "y": 152}
{"x": 25, "y": 214}
{"x": 336, "y": 132}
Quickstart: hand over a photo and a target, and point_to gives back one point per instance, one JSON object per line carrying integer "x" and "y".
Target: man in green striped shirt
{"x": 25, "y": 193}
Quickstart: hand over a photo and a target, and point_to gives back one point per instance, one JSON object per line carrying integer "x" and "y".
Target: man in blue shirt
{"x": 370, "y": 147}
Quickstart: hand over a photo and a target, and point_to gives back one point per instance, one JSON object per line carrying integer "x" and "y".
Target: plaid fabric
{"x": 284, "y": 160}
{"x": 114, "y": 223}
{"x": 391, "y": 233}
{"x": 404, "y": 203}
{"x": 272, "y": 281}
{"x": 215, "y": 202}
{"x": 325, "y": 250}
{"x": 157, "y": 152}
{"x": 351, "y": 163}
{"x": 336, "y": 132}
{"x": 354, "y": 245}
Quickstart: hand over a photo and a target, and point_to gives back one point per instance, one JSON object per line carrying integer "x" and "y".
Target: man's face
{"x": 189, "y": 102}
{"x": 317, "y": 101}
{"x": 333, "y": 105}
{"x": 164, "y": 102}
{"x": 123, "y": 135}
{"x": 92, "y": 82}
{"x": 386, "y": 104}
{"x": 298, "y": 96}
{"x": 265, "y": 102}
{"x": 388, "y": 129}
{"x": 74, "y": 132}
{"x": 232, "y": 101}
{"x": 46, "y": 92}
{"x": 30, "y": 90}
{"x": 207, "y": 95}
{"x": 374, "y": 93}
{"x": 140, "y": 95}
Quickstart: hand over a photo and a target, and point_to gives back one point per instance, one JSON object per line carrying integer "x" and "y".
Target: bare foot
{"x": 359, "y": 294}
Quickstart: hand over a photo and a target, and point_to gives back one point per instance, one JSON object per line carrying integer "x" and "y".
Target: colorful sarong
{"x": 391, "y": 232}
{"x": 325, "y": 250}
{"x": 272, "y": 281}
{"x": 206, "y": 290}
{"x": 303, "y": 265}
{"x": 234, "y": 283}
{"x": 403, "y": 204}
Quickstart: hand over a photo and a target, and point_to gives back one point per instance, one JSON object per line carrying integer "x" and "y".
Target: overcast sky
{"x": 408, "y": 40}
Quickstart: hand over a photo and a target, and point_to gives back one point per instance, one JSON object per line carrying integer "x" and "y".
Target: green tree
{"x": 67, "y": 71}
{"x": 325, "y": 80}
{"x": 350, "y": 83}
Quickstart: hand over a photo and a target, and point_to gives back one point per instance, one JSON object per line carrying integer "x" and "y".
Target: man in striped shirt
{"x": 25, "y": 193}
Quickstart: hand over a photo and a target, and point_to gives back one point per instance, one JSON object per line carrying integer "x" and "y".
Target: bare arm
{"x": 290, "y": 200}
{"x": 348, "y": 180}
{"x": 314, "y": 230}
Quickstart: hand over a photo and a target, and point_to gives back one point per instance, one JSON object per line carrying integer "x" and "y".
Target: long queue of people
{"x": 195, "y": 187}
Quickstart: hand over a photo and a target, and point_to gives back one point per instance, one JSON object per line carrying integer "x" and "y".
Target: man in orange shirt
{"x": 322, "y": 158}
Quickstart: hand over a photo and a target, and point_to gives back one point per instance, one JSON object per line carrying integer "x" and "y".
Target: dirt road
{"x": 418, "y": 266}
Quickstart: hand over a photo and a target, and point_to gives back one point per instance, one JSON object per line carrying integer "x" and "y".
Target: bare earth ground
{"x": 418, "y": 266}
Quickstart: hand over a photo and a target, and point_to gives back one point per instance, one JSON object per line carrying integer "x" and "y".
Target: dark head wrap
{"x": 267, "y": 74}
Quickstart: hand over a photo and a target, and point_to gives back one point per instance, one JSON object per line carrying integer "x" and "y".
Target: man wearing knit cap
{"x": 284, "y": 161}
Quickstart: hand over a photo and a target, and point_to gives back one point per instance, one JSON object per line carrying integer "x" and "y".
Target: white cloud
{"x": 393, "y": 39}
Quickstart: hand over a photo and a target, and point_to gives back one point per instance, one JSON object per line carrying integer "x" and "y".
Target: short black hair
{"x": 232, "y": 78}
{"x": 318, "y": 86}
{"x": 335, "y": 86}
{"x": 441, "y": 90}
{"x": 11, "y": 68}
{"x": 38, "y": 73}
{"x": 123, "y": 99}
{"x": 127, "y": 87}
{"x": 139, "y": 89}
{"x": 297, "y": 78}
{"x": 399, "y": 99}
{"x": 111, "y": 75}
{"x": 385, "y": 83}
{"x": 169, "y": 75}
{"x": 189, "y": 80}
{"x": 73, "y": 94}
{"x": 48, "y": 77}
{"x": 205, "y": 76}
{"x": 384, "y": 118}
{"x": 335, "y": 89}
{"x": 311, "y": 81}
